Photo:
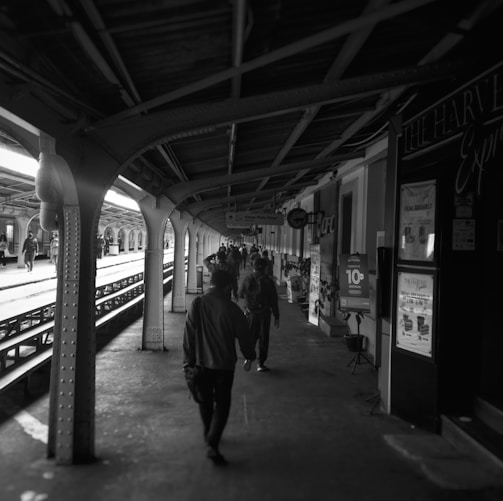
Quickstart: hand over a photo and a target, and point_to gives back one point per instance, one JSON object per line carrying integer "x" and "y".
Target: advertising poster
{"x": 354, "y": 292}
{"x": 463, "y": 234}
{"x": 417, "y": 222}
{"x": 314, "y": 284}
{"x": 415, "y": 313}
{"x": 293, "y": 287}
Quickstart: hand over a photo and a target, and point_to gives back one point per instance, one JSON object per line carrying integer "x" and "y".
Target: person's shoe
{"x": 216, "y": 457}
{"x": 262, "y": 368}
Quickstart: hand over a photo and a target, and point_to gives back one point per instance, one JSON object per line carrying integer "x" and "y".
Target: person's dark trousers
{"x": 2, "y": 258}
{"x": 260, "y": 324}
{"x": 216, "y": 388}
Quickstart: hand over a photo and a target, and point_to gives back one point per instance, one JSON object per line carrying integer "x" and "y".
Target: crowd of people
{"x": 217, "y": 320}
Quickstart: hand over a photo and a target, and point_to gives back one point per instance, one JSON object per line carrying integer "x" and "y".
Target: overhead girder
{"x": 181, "y": 191}
{"x": 199, "y": 207}
{"x": 343, "y": 29}
{"x": 132, "y": 138}
{"x": 252, "y": 206}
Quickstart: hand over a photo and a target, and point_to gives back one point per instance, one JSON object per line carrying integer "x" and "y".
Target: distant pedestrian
{"x": 100, "y": 244}
{"x": 4, "y": 245}
{"x": 234, "y": 259}
{"x": 244, "y": 256}
{"x": 254, "y": 254}
{"x": 269, "y": 265}
{"x": 30, "y": 250}
{"x": 54, "y": 250}
{"x": 212, "y": 326}
{"x": 261, "y": 298}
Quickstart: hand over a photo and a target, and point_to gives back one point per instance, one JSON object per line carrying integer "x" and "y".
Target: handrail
{"x": 28, "y": 329}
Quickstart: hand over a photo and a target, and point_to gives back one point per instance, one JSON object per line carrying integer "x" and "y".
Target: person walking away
{"x": 234, "y": 259}
{"x": 254, "y": 254}
{"x": 219, "y": 261}
{"x": 269, "y": 264}
{"x": 54, "y": 250}
{"x": 217, "y": 323}
{"x": 3, "y": 248}
{"x": 261, "y": 298}
{"x": 30, "y": 250}
{"x": 244, "y": 255}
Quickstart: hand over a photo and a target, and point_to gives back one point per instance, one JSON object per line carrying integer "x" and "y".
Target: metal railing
{"x": 26, "y": 339}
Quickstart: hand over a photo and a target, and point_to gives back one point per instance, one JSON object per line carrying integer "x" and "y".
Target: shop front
{"x": 447, "y": 339}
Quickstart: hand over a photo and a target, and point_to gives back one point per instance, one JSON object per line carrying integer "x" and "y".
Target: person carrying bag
{"x": 212, "y": 326}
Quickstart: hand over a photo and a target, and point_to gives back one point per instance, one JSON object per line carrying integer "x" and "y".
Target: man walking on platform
{"x": 30, "y": 250}
{"x": 259, "y": 292}
{"x": 212, "y": 326}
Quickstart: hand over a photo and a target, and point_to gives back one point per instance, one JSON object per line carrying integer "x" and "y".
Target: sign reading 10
{"x": 354, "y": 277}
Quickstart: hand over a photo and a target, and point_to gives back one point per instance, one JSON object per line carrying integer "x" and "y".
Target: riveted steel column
{"x": 153, "y": 317}
{"x": 201, "y": 245}
{"x": 66, "y": 358}
{"x": 191, "y": 275}
{"x": 179, "y": 224}
{"x": 22, "y": 225}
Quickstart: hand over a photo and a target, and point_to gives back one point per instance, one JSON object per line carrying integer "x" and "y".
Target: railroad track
{"x": 26, "y": 339}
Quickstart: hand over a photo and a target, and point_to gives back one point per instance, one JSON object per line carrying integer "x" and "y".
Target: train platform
{"x": 308, "y": 430}
{"x": 13, "y": 276}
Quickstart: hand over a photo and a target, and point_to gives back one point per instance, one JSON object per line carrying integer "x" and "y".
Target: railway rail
{"x": 26, "y": 339}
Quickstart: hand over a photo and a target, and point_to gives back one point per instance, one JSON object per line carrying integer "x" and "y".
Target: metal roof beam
{"x": 169, "y": 125}
{"x": 181, "y": 191}
{"x": 348, "y": 52}
{"x": 197, "y": 208}
{"x": 325, "y": 36}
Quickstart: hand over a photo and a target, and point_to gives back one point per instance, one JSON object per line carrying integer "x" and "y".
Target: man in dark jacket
{"x": 259, "y": 292}
{"x": 219, "y": 261}
{"x": 216, "y": 322}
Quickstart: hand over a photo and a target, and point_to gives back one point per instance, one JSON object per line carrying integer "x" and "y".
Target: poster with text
{"x": 415, "y": 313}
{"x": 354, "y": 293}
{"x": 417, "y": 222}
{"x": 314, "y": 284}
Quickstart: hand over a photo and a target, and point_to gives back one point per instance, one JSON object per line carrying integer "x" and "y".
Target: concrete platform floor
{"x": 302, "y": 432}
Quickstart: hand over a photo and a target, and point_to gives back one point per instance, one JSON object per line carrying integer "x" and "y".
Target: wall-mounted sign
{"x": 247, "y": 219}
{"x": 297, "y": 218}
{"x": 477, "y": 122}
{"x": 314, "y": 285}
{"x": 463, "y": 234}
{"x": 417, "y": 221}
{"x": 325, "y": 224}
{"x": 414, "y": 312}
{"x": 354, "y": 292}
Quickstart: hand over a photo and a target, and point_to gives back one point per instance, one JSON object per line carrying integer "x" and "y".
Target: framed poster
{"x": 416, "y": 232}
{"x": 314, "y": 284}
{"x": 414, "y": 312}
{"x": 354, "y": 294}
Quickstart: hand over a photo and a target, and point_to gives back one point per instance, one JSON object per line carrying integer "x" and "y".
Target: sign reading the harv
{"x": 246, "y": 219}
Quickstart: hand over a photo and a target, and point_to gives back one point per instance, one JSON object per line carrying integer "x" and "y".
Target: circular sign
{"x": 297, "y": 218}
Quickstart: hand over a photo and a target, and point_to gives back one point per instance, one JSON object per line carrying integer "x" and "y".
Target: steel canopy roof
{"x": 238, "y": 105}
